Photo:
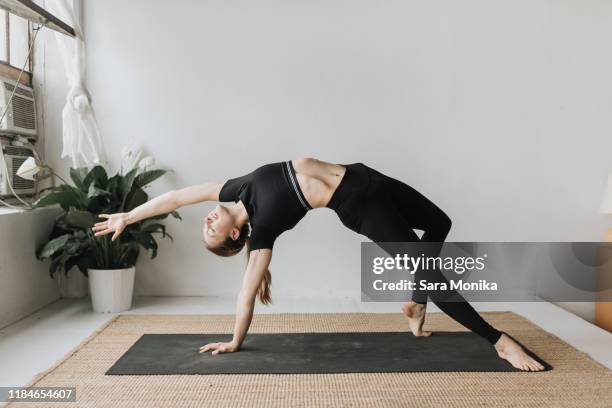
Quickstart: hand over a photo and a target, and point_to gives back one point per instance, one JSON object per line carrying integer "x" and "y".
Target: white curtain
{"x": 81, "y": 137}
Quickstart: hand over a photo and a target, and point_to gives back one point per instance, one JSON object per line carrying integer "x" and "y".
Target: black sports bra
{"x": 272, "y": 198}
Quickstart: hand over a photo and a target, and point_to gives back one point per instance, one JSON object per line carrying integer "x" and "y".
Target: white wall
{"x": 496, "y": 110}
{"x": 26, "y": 285}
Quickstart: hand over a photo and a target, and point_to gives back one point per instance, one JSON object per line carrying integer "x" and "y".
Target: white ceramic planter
{"x": 111, "y": 289}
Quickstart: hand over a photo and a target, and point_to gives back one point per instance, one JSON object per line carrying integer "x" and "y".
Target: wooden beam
{"x": 33, "y": 12}
{"x": 12, "y": 72}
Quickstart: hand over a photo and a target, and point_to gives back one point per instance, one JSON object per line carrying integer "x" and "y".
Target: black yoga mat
{"x": 304, "y": 353}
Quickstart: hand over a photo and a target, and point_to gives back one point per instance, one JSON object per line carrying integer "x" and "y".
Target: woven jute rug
{"x": 575, "y": 381}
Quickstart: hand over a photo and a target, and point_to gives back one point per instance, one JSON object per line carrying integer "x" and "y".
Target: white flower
{"x": 130, "y": 155}
{"x": 28, "y": 169}
{"x": 147, "y": 161}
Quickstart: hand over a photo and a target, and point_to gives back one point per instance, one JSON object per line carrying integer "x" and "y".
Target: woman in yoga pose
{"x": 274, "y": 197}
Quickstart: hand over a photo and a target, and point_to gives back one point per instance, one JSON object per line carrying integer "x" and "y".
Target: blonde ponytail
{"x": 264, "y": 289}
{"x": 263, "y": 293}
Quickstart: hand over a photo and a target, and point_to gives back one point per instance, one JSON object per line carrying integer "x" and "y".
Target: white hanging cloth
{"x": 81, "y": 137}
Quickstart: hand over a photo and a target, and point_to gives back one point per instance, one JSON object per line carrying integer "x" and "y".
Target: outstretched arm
{"x": 208, "y": 191}
{"x": 162, "y": 204}
{"x": 259, "y": 260}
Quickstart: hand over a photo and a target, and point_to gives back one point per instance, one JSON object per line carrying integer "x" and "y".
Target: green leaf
{"x": 147, "y": 177}
{"x": 145, "y": 239}
{"x": 95, "y": 192}
{"x": 66, "y": 196}
{"x": 70, "y": 263}
{"x": 97, "y": 175}
{"x": 100, "y": 205}
{"x": 113, "y": 184}
{"x": 127, "y": 181}
{"x": 125, "y": 186}
{"x": 56, "y": 265}
{"x": 165, "y": 234}
{"x": 72, "y": 247}
{"x": 78, "y": 175}
{"x": 62, "y": 226}
{"x": 153, "y": 227}
{"x": 127, "y": 254}
{"x": 51, "y": 247}
{"x": 130, "y": 254}
{"x": 83, "y": 264}
{"x": 135, "y": 198}
{"x": 81, "y": 219}
{"x": 153, "y": 248}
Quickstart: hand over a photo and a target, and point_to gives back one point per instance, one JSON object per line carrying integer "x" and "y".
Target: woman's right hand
{"x": 114, "y": 223}
{"x": 218, "y": 348}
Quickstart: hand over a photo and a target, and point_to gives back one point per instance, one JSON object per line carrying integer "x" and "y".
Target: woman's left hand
{"x": 218, "y": 348}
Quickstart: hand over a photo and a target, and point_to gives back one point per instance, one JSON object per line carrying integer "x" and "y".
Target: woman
{"x": 274, "y": 197}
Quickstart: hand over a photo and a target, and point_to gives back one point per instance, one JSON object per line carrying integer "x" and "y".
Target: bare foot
{"x": 510, "y": 350}
{"x": 416, "y": 317}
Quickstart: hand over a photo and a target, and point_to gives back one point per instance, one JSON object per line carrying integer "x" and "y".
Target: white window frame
{"x": 6, "y": 68}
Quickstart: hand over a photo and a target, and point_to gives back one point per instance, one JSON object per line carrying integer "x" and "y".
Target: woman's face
{"x": 217, "y": 226}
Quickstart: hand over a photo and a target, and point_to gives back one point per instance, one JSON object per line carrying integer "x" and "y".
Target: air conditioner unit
{"x": 14, "y": 156}
{"x": 21, "y": 116}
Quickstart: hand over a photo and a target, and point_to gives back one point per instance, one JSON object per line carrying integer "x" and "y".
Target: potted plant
{"x": 109, "y": 265}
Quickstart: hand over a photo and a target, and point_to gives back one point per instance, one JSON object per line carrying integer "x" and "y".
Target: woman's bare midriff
{"x": 318, "y": 179}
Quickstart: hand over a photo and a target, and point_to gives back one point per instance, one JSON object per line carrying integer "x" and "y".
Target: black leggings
{"x": 386, "y": 210}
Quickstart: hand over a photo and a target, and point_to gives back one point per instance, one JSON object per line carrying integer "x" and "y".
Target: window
{"x": 14, "y": 44}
